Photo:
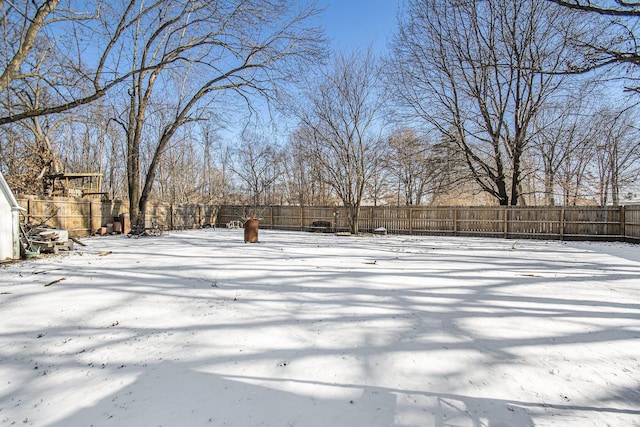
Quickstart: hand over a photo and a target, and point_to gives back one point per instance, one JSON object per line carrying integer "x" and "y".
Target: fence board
{"x": 535, "y": 221}
{"x": 601, "y": 222}
{"x": 632, "y": 223}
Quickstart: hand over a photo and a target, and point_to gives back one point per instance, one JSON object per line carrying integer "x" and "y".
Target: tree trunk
{"x": 133, "y": 181}
{"x": 515, "y": 177}
{"x": 133, "y": 164}
{"x": 549, "y": 180}
{"x": 501, "y": 185}
{"x": 354, "y": 214}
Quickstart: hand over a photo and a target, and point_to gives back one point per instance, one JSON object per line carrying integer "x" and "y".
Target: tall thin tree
{"x": 343, "y": 125}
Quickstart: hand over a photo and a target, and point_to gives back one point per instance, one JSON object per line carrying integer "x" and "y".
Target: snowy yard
{"x": 198, "y": 328}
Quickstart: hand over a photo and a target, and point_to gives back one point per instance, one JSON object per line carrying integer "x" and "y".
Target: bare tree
{"x": 611, "y": 37}
{"x": 178, "y": 174}
{"x": 25, "y": 157}
{"x": 258, "y": 165}
{"x": 411, "y": 162}
{"x": 39, "y": 141}
{"x": 379, "y": 186}
{"x": 205, "y": 52}
{"x": 449, "y": 168}
{"x": 626, "y": 8}
{"x": 562, "y": 134}
{"x": 575, "y": 172}
{"x": 41, "y": 153}
{"x": 473, "y": 71}
{"x": 303, "y": 182}
{"x": 617, "y": 154}
{"x": 23, "y": 27}
{"x": 587, "y": 153}
{"x": 343, "y": 124}
{"x": 74, "y": 51}
{"x": 214, "y": 176}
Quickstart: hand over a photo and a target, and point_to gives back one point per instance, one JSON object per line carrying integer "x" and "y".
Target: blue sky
{"x": 351, "y": 24}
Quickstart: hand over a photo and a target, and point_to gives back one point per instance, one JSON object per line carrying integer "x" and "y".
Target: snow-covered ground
{"x": 198, "y": 328}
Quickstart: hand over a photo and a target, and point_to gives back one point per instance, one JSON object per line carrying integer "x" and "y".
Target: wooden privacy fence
{"x": 84, "y": 216}
{"x": 549, "y": 222}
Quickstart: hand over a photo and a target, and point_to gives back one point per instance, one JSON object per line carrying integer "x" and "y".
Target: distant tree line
{"x": 509, "y": 102}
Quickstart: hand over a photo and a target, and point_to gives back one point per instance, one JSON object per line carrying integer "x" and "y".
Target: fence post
{"x": 410, "y": 222}
{"x": 506, "y": 221}
{"x": 455, "y": 221}
{"x": 271, "y": 216}
{"x": 91, "y": 222}
{"x": 562, "y": 223}
{"x": 371, "y": 226}
{"x": 623, "y": 223}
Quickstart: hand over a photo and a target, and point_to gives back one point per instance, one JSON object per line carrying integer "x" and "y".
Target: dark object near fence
{"x": 139, "y": 231}
{"x": 320, "y": 226}
{"x": 251, "y": 230}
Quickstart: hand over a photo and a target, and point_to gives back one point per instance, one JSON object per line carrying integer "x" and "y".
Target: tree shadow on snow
{"x": 169, "y": 394}
{"x": 428, "y": 308}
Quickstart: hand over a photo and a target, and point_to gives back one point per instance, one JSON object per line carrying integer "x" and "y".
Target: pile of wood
{"x": 50, "y": 240}
{"x": 35, "y": 240}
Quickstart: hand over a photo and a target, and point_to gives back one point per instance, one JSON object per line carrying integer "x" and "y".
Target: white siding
{"x": 6, "y": 229}
{"x": 9, "y": 225}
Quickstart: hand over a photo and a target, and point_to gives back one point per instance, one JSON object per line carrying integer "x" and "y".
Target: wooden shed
{"x": 9, "y": 223}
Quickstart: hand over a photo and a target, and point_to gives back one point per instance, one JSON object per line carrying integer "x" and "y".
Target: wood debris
{"x": 56, "y": 281}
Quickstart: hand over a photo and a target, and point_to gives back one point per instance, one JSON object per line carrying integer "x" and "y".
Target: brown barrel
{"x": 251, "y": 230}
